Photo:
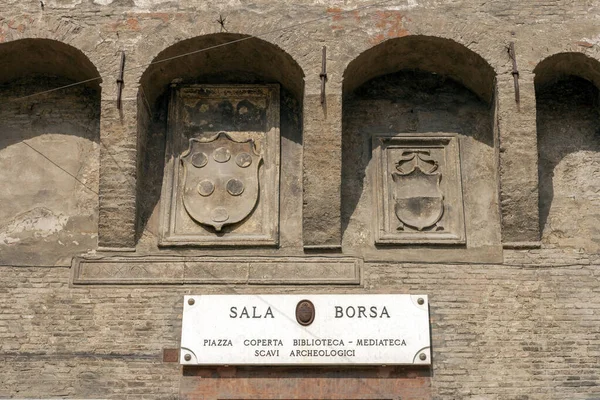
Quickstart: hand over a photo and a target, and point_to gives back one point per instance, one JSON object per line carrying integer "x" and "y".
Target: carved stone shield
{"x": 419, "y": 201}
{"x": 220, "y": 178}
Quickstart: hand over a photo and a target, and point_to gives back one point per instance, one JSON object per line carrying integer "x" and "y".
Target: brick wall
{"x": 498, "y": 332}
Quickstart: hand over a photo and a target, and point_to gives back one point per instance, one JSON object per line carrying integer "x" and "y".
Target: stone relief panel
{"x": 418, "y": 189}
{"x": 221, "y": 182}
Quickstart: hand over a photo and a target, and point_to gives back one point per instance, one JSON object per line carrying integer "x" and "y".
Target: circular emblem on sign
{"x": 205, "y": 188}
{"x": 243, "y": 160}
{"x": 219, "y": 214}
{"x": 221, "y": 155}
{"x": 235, "y": 187}
{"x": 199, "y": 160}
{"x": 305, "y": 312}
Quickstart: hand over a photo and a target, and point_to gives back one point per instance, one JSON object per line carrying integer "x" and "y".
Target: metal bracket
{"x": 221, "y": 22}
{"x": 120, "y": 81}
{"x": 515, "y": 70}
{"x": 323, "y": 74}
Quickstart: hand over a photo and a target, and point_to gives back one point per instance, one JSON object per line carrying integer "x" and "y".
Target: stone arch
{"x": 561, "y": 65}
{"x": 45, "y": 57}
{"x": 230, "y": 58}
{"x": 567, "y": 89}
{"x": 427, "y": 53}
{"x": 420, "y": 87}
{"x": 49, "y": 145}
{"x": 61, "y": 32}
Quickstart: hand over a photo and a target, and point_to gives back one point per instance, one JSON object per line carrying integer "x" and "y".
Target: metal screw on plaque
{"x": 305, "y": 312}
{"x": 187, "y": 357}
{"x": 191, "y": 302}
{"x": 422, "y": 356}
{"x": 420, "y": 301}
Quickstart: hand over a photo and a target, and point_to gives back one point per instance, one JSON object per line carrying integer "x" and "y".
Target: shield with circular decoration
{"x": 220, "y": 180}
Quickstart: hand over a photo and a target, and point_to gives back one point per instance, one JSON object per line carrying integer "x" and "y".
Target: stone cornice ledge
{"x": 176, "y": 270}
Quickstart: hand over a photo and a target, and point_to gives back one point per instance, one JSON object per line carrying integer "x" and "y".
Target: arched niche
{"x": 219, "y": 59}
{"x": 425, "y": 53}
{"x": 568, "y": 131}
{"x": 49, "y": 152}
{"x": 46, "y": 57}
{"x": 430, "y": 99}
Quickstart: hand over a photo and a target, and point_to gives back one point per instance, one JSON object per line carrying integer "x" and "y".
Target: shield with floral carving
{"x": 220, "y": 180}
{"x": 419, "y": 201}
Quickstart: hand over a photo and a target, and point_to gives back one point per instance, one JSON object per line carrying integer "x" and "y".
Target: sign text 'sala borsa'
{"x": 305, "y": 329}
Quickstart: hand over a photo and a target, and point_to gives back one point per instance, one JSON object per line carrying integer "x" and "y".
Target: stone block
{"x": 221, "y": 181}
{"x": 166, "y": 270}
{"x": 418, "y": 189}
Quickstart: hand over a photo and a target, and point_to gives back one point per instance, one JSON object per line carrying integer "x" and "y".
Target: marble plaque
{"x": 418, "y": 189}
{"x": 349, "y": 329}
{"x": 221, "y": 180}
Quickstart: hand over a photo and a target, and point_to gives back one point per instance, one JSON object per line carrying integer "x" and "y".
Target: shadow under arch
{"x": 229, "y": 58}
{"x": 46, "y": 57}
{"x": 49, "y": 145}
{"x": 426, "y": 53}
{"x": 418, "y": 84}
{"x": 561, "y": 65}
{"x": 568, "y": 132}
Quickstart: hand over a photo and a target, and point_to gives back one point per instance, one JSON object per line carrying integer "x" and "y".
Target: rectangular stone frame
{"x": 451, "y": 184}
{"x": 244, "y": 270}
{"x": 268, "y": 234}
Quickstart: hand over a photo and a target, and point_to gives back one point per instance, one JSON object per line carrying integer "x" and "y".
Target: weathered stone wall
{"x": 568, "y": 147}
{"x": 48, "y": 173}
{"x": 506, "y": 324}
{"x": 413, "y": 102}
{"x": 146, "y": 29}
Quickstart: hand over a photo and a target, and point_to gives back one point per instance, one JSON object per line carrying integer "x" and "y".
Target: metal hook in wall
{"x": 221, "y": 22}
{"x": 120, "y": 81}
{"x": 323, "y": 74}
{"x": 515, "y": 70}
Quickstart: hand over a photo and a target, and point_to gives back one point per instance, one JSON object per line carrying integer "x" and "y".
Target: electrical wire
{"x": 293, "y": 26}
{"x": 265, "y": 33}
{"x": 55, "y": 89}
{"x": 59, "y": 167}
{"x": 289, "y": 27}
